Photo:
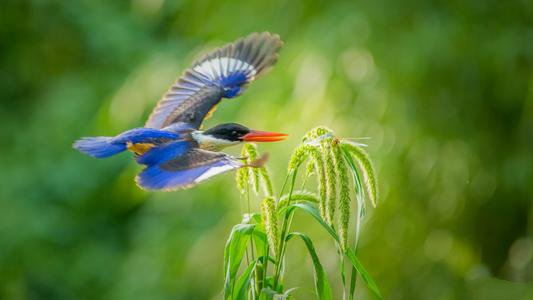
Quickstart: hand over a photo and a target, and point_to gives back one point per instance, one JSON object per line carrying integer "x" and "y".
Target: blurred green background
{"x": 443, "y": 88}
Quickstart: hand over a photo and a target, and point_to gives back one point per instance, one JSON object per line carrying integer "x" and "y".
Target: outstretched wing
{"x": 222, "y": 73}
{"x": 186, "y": 170}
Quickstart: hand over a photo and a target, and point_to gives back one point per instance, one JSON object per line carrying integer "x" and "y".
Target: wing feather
{"x": 186, "y": 170}
{"x": 222, "y": 73}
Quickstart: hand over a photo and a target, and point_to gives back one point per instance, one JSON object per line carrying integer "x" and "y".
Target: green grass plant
{"x": 255, "y": 253}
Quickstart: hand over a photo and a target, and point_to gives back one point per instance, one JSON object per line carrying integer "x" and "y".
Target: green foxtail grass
{"x": 270, "y": 221}
{"x": 299, "y": 155}
{"x": 266, "y": 235}
{"x": 344, "y": 196}
{"x": 331, "y": 180}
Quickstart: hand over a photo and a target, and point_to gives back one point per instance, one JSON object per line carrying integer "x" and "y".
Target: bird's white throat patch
{"x": 208, "y": 142}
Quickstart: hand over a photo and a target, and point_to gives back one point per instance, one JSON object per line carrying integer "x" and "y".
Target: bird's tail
{"x": 99, "y": 146}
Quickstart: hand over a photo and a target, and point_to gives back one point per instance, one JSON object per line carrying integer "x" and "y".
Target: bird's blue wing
{"x": 144, "y": 135}
{"x": 165, "y": 152}
{"x": 221, "y": 73}
{"x": 186, "y": 170}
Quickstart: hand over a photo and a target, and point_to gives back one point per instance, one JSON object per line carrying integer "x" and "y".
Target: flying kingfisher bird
{"x": 176, "y": 153}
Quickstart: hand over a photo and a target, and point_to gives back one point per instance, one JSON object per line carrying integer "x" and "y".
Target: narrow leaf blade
{"x": 350, "y": 253}
{"x": 242, "y": 284}
{"x": 234, "y": 253}
{"x": 313, "y": 212}
{"x": 322, "y": 286}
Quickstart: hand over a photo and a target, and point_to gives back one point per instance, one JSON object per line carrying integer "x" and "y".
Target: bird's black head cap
{"x": 228, "y": 131}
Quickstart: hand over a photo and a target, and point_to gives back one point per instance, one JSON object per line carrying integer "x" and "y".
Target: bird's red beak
{"x": 264, "y": 136}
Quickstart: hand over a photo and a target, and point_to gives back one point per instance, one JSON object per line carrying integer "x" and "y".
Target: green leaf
{"x": 234, "y": 253}
{"x": 241, "y": 287}
{"x": 277, "y": 296}
{"x": 251, "y": 218}
{"x": 311, "y": 209}
{"x": 296, "y": 196}
{"x": 289, "y": 292}
{"x": 350, "y": 253}
{"x": 322, "y": 286}
{"x": 259, "y": 239}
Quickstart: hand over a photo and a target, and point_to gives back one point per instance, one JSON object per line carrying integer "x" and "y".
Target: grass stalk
{"x": 284, "y": 231}
{"x": 331, "y": 160}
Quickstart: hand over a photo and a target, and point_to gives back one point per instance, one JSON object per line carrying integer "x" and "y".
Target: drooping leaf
{"x": 322, "y": 286}
{"x": 350, "y": 253}
{"x": 297, "y": 196}
{"x": 311, "y": 209}
{"x": 251, "y": 218}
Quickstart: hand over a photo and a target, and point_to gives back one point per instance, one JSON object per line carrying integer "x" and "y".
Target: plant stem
{"x": 284, "y": 230}
{"x": 265, "y": 268}
{"x": 249, "y": 212}
{"x": 251, "y": 246}
{"x": 342, "y": 271}
{"x": 283, "y": 186}
{"x": 247, "y": 253}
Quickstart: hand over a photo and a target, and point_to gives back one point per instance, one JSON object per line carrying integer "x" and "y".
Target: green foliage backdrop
{"x": 443, "y": 88}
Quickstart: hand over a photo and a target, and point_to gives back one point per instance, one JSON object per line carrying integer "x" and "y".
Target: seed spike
{"x": 251, "y": 151}
{"x": 344, "y": 196}
{"x": 309, "y": 169}
{"x": 242, "y": 175}
{"x": 270, "y": 220}
{"x": 331, "y": 180}
{"x": 321, "y": 179}
{"x": 367, "y": 170}
{"x": 267, "y": 182}
{"x": 299, "y": 155}
{"x": 317, "y": 133}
